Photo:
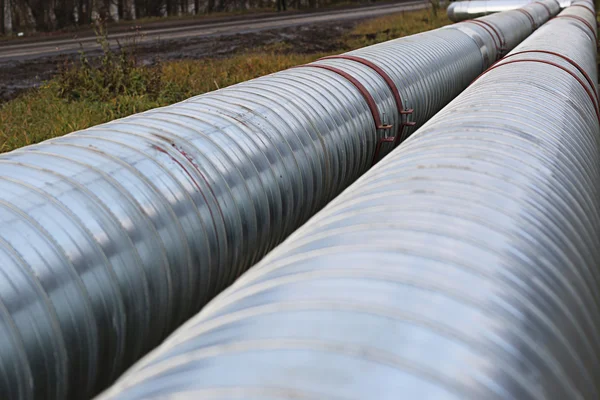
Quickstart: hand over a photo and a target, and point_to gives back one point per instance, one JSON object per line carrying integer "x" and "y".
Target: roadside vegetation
{"x": 88, "y": 93}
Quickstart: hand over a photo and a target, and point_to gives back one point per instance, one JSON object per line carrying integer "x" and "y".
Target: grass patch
{"x": 395, "y": 26}
{"x": 85, "y": 95}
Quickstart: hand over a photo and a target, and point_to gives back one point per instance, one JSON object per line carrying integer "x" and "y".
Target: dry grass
{"x": 79, "y": 98}
{"x": 195, "y": 77}
{"x": 395, "y": 26}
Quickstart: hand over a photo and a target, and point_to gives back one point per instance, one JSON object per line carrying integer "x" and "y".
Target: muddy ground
{"x": 20, "y": 75}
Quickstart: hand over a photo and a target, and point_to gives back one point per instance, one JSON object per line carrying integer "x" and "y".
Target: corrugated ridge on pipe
{"x": 462, "y": 10}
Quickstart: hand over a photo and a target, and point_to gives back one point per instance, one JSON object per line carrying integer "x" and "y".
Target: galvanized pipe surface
{"x": 461, "y": 10}
{"x": 497, "y": 31}
{"x": 111, "y": 237}
{"x": 465, "y": 265}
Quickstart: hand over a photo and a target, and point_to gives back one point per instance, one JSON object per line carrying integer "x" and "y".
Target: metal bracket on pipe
{"x": 378, "y": 147}
{"x": 391, "y": 85}
{"x": 367, "y": 96}
{"x": 545, "y": 6}
{"x": 587, "y": 8}
{"x": 502, "y": 47}
{"x": 499, "y": 43}
{"x": 567, "y": 59}
{"x": 578, "y": 79}
{"x": 363, "y": 91}
{"x": 529, "y": 16}
{"x": 578, "y": 18}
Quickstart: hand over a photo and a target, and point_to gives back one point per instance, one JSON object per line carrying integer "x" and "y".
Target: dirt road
{"x": 26, "y": 65}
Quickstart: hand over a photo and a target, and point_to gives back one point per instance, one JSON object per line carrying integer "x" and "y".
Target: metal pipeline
{"x": 462, "y": 10}
{"x": 112, "y": 236}
{"x": 463, "y": 266}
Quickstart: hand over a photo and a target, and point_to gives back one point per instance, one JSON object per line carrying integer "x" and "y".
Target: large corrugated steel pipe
{"x": 111, "y": 237}
{"x": 462, "y": 10}
{"x": 465, "y": 265}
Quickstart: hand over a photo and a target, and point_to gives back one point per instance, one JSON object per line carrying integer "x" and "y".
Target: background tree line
{"x": 50, "y": 15}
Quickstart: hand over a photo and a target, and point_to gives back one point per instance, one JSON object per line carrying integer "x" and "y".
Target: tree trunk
{"x": 7, "y": 17}
{"x": 82, "y": 12}
{"x": 129, "y": 9}
{"x": 76, "y": 13}
{"x": 113, "y": 10}
{"x": 50, "y": 15}
{"x": 94, "y": 10}
{"x": 26, "y": 15}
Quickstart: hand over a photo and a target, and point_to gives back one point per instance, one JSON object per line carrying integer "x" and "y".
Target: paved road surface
{"x": 22, "y": 51}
